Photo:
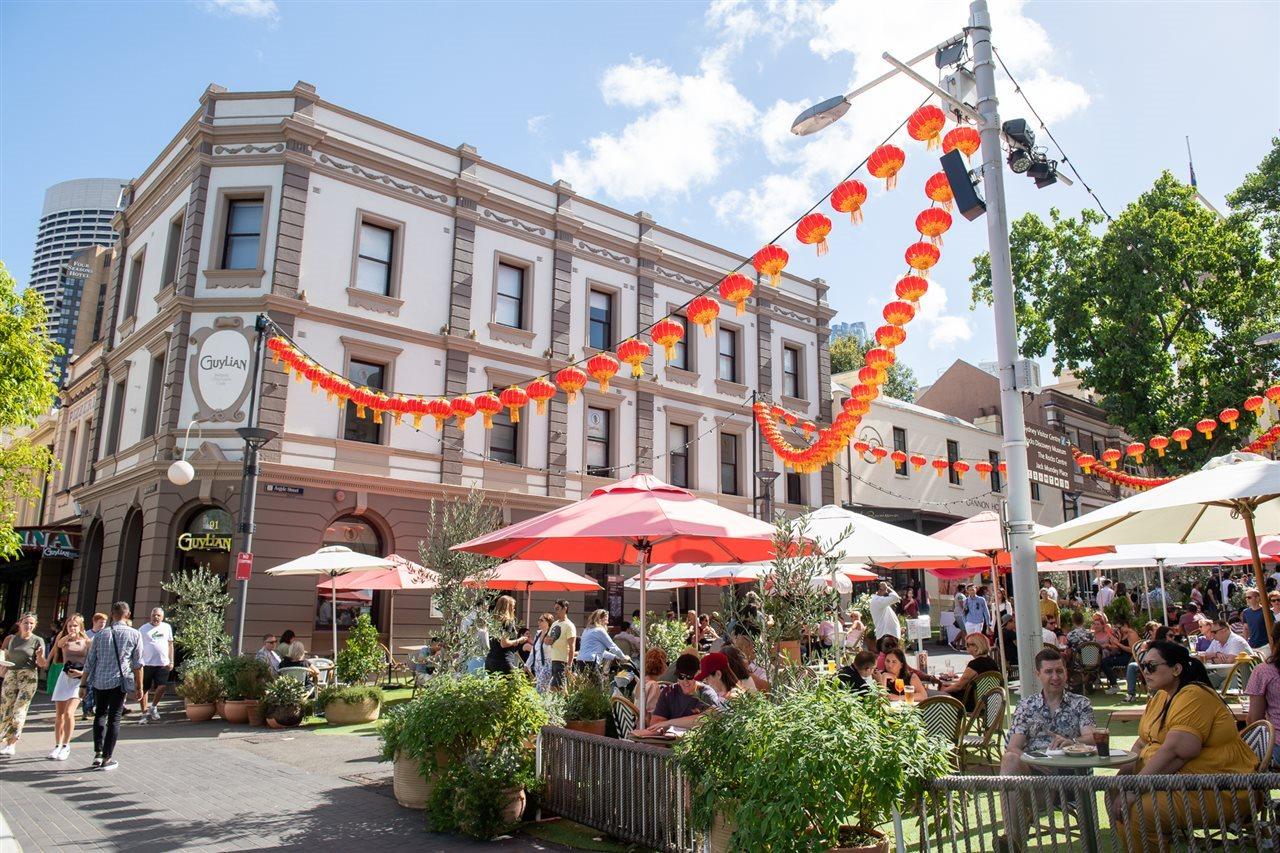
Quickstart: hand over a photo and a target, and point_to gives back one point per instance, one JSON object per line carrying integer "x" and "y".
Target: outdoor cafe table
{"x": 1085, "y": 764}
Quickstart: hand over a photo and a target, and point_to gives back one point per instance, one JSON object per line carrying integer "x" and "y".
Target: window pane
{"x": 373, "y": 276}
{"x": 790, "y": 372}
{"x": 678, "y": 454}
{"x": 503, "y": 439}
{"x": 680, "y": 358}
{"x": 241, "y": 254}
{"x": 600, "y": 331}
{"x": 728, "y": 464}
{"x": 245, "y": 217}
{"x": 375, "y": 242}
{"x": 507, "y": 311}
{"x": 597, "y": 441}
{"x": 357, "y": 428}
{"x": 900, "y": 443}
{"x": 953, "y": 455}
{"x": 727, "y": 344}
{"x": 795, "y": 488}
{"x": 511, "y": 280}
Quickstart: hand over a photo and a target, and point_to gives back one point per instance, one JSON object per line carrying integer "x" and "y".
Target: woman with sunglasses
{"x": 978, "y": 646}
{"x": 1263, "y": 691}
{"x": 1185, "y": 728}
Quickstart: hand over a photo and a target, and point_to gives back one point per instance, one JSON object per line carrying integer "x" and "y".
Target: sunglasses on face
{"x": 1151, "y": 666}
{"x": 684, "y": 678}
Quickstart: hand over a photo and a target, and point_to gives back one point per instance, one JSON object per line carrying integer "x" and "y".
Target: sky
{"x": 679, "y": 109}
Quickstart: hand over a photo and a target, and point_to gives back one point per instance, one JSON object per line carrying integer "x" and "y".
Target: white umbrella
{"x": 878, "y": 542}
{"x": 1205, "y": 505}
{"x": 331, "y": 561}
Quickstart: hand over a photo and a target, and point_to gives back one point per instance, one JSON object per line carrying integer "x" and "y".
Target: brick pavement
{"x": 210, "y": 786}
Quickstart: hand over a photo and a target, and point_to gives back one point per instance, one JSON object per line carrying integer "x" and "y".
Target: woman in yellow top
{"x": 1186, "y": 728}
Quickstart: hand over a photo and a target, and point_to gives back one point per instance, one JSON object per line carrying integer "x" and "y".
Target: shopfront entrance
{"x": 205, "y": 542}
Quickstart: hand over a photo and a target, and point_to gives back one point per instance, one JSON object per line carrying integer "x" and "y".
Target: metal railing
{"x": 634, "y": 792}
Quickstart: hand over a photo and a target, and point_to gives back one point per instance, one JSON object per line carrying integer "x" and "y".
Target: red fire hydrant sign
{"x": 244, "y": 565}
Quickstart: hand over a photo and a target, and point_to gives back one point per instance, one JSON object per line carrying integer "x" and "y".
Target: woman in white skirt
{"x": 71, "y": 647}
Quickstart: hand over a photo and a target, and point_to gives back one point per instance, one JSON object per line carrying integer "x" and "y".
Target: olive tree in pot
{"x": 286, "y": 702}
{"x": 243, "y": 680}
{"x": 200, "y": 690}
{"x": 361, "y": 656}
{"x": 795, "y": 594}
{"x": 808, "y": 767}
{"x": 349, "y": 704}
{"x": 586, "y": 703}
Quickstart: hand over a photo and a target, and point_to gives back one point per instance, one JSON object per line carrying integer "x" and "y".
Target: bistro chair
{"x": 944, "y": 718}
{"x": 1237, "y": 679}
{"x": 624, "y": 714}
{"x": 1090, "y": 657}
{"x": 980, "y": 740}
{"x": 1261, "y": 738}
{"x": 982, "y": 683}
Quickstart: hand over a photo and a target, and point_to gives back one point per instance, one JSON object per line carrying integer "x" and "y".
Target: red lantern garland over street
{"x": 911, "y": 287}
{"x": 540, "y": 391}
{"x": 848, "y": 198}
{"x": 964, "y": 138}
{"x": 918, "y": 461}
{"x": 922, "y": 256}
{"x": 634, "y": 352}
{"x": 1182, "y": 435}
{"x": 926, "y": 124}
{"x": 898, "y": 313}
{"x": 1229, "y": 417}
{"x": 571, "y": 380}
{"x": 1111, "y": 456}
{"x": 703, "y": 312}
{"x": 960, "y": 467}
{"x": 885, "y": 163}
{"x": 736, "y": 288}
{"x": 1205, "y": 427}
{"x": 890, "y": 336}
{"x": 462, "y": 407}
{"x": 771, "y": 261}
{"x": 984, "y": 469}
{"x": 938, "y": 189}
{"x": 1158, "y": 443}
{"x": 813, "y": 229}
{"x": 440, "y": 409}
{"x": 1134, "y": 451}
{"x": 602, "y": 368}
{"x": 488, "y": 405}
{"x": 515, "y": 399}
{"x": 933, "y": 222}
{"x": 940, "y": 465}
{"x": 666, "y": 333}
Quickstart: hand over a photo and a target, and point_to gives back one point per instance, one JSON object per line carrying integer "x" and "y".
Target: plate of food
{"x": 1079, "y": 750}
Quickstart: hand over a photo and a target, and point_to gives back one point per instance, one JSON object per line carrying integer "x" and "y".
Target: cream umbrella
{"x": 332, "y": 561}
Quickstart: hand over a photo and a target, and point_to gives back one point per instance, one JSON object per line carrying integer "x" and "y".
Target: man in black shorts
{"x": 157, "y": 663}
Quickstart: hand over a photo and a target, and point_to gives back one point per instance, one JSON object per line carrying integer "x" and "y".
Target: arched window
{"x": 361, "y": 537}
{"x": 90, "y": 571}
{"x": 126, "y": 586}
{"x": 205, "y": 542}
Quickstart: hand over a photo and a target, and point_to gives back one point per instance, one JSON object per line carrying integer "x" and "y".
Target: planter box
{"x": 595, "y": 727}
{"x": 342, "y": 713}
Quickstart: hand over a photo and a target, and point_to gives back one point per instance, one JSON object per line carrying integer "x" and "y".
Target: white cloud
{"x": 264, "y": 10}
{"x": 535, "y": 124}
{"x": 940, "y": 328}
{"x": 682, "y": 140}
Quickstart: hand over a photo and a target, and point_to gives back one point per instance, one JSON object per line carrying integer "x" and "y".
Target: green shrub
{"x": 201, "y": 685}
{"x": 460, "y": 713}
{"x": 472, "y": 793}
{"x": 198, "y": 613}
{"x": 352, "y": 694}
{"x": 243, "y": 677}
{"x": 361, "y": 656}
{"x": 286, "y": 693}
{"x": 666, "y": 634}
{"x": 586, "y": 698}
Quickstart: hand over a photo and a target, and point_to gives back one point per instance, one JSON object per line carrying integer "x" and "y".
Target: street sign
{"x": 244, "y": 565}
{"x": 1048, "y": 457}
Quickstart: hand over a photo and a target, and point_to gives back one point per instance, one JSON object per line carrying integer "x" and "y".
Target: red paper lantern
{"x": 487, "y": 405}
{"x": 1086, "y": 462}
{"x": 1182, "y": 435}
{"x": 1158, "y": 443}
{"x": 855, "y": 407}
{"x": 634, "y": 352}
{"x": 918, "y": 461}
{"x": 703, "y": 312}
{"x": 933, "y": 222}
{"x": 911, "y": 287}
{"x": 1002, "y": 468}
{"x": 879, "y": 452}
{"x": 514, "y": 398}
{"x": 872, "y": 375}
{"x": 960, "y": 467}
{"x": 890, "y": 336}
{"x": 440, "y": 409}
{"x": 736, "y": 288}
{"x": 964, "y": 138}
{"x": 602, "y": 368}
{"x": 885, "y": 163}
{"x": 540, "y": 391}
{"x": 666, "y": 333}
{"x": 848, "y": 198}
{"x": 771, "y": 261}
{"x": 938, "y": 189}
{"x": 922, "y": 256}
{"x": 789, "y": 418}
{"x": 983, "y": 468}
{"x": 808, "y": 428}
{"x": 941, "y": 465}
{"x": 864, "y": 392}
{"x": 1229, "y": 417}
{"x": 571, "y": 380}
{"x": 813, "y": 229}
{"x": 1273, "y": 394}
{"x": 1206, "y": 426}
{"x": 925, "y": 125}
{"x": 1134, "y": 451}
{"x": 462, "y": 407}
{"x": 899, "y": 313}
{"x": 879, "y": 358}
{"x": 1254, "y": 404}
{"x": 778, "y": 412}
{"x": 1111, "y": 456}
{"x": 898, "y": 458}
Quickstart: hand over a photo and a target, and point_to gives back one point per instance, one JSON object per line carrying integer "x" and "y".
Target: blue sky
{"x": 680, "y": 109}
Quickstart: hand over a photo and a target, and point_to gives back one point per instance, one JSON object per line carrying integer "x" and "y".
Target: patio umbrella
{"x": 862, "y": 539}
{"x": 698, "y": 575}
{"x": 331, "y": 561}
{"x": 1268, "y": 547}
{"x": 403, "y": 574}
{"x": 637, "y": 521}
{"x": 1207, "y": 504}
{"x": 530, "y": 575}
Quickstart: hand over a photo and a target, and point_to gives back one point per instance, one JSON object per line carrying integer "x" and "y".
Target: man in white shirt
{"x": 882, "y": 613}
{"x": 1225, "y": 645}
{"x": 268, "y": 654}
{"x": 157, "y": 663}
{"x": 1105, "y": 593}
{"x": 1049, "y": 589}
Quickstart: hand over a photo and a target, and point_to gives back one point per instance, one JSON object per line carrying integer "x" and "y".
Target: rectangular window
{"x": 172, "y": 249}
{"x": 117, "y": 418}
{"x": 600, "y": 328}
{"x": 244, "y": 234}
{"x": 373, "y": 377}
{"x": 678, "y": 454}
{"x": 795, "y": 488}
{"x": 729, "y": 464}
{"x": 68, "y": 460}
{"x": 900, "y": 443}
{"x": 510, "y": 305}
{"x": 994, "y": 458}
{"x": 131, "y": 287}
{"x": 504, "y": 439}
{"x": 1035, "y": 491}
{"x": 82, "y": 473}
{"x": 791, "y": 372}
{"x": 727, "y": 354}
{"x": 373, "y": 263}
{"x": 680, "y": 356}
{"x": 155, "y": 389}
{"x": 953, "y": 456}
{"x": 598, "y": 441}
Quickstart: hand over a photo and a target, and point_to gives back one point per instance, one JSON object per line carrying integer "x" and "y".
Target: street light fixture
{"x": 818, "y": 116}
{"x": 766, "y": 477}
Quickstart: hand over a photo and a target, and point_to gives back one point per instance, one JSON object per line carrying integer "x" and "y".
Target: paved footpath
{"x": 210, "y": 786}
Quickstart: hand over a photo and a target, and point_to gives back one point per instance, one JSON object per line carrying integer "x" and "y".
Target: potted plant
{"x": 796, "y": 597}
{"x": 586, "y": 704}
{"x": 809, "y": 767}
{"x": 286, "y": 702}
{"x": 243, "y": 679}
{"x": 252, "y": 682}
{"x": 200, "y": 690}
{"x": 361, "y": 656}
{"x": 484, "y": 794}
{"x": 348, "y": 704}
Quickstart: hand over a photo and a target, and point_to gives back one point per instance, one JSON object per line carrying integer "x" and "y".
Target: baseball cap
{"x": 713, "y": 663}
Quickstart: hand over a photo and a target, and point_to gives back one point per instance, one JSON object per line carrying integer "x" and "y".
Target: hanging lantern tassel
{"x": 1205, "y": 427}
{"x": 771, "y": 261}
{"x": 848, "y": 198}
{"x": 1111, "y": 456}
{"x": 487, "y": 405}
{"x": 1134, "y": 450}
{"x": 1158, "y": 443}
{"x": 938, "y": 189}
{"x": 885, "y": 163}
{"x": 440, "y": 409}
{"x": 961, "y": 468}
{"x": 1229, "y": 417}
{"x": 1086, "y": 462}
{"x": 918, "y": 462}
{"x": 984, "y": 469}
{"x": 602, "y": 368}
{"x": 634, "y": 352}
{"x": 940, "y": 465}
{"x": 933, "y": 222}
{"x": 813, "y": 230}
{"x": 514, "y": 398}
{"x": 736, "y": 288}
{"x": 703, "y": 312}
{"x": 540, "y": 391}
{"x": 462, "y": 407}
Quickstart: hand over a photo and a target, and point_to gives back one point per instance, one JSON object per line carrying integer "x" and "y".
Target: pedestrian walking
{"x": 71, "y": 648}
{"x": 24, "y": 655}
{"x": 882, "y": 614}
{"x": 977, "y": 613}
{"x": 157, "y": 663}
{"x": 86, "y": 707}
{"x": 113, "y": 665}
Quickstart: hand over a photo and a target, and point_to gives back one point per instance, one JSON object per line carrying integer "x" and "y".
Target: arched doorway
{"x": 90, "y": 571}
{"x": 126, "y": 585}
{"x": 362, "y": 537}
{"x": 205, "y": 542}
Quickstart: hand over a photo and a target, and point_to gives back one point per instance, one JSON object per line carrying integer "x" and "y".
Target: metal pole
{"x": 1021, "y": 548}
{"x": 643, "y": 547}
{"x": 1164, "y": 605}
{"x": 249, "y": 482}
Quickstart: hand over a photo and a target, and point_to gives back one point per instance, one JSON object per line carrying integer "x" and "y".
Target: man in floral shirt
{"x": 1049, "y": 719}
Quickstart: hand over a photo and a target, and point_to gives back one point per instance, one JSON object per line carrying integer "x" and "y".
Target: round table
{"x": 1087, "y": 764}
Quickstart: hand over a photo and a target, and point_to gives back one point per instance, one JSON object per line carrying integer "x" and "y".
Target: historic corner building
{"x": 412, "y": 266}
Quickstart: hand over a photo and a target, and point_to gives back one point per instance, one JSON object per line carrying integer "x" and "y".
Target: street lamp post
{"x": 766, "y": 478}
{"x": 255, "y": 438}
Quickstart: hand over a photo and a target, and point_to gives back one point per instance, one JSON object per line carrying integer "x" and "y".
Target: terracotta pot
{"x": 789, "y": 649}
{"x": 881, "y": 845}
{"x": 513, "y": 805}
{"x": 257, "y": 716}
{"x": 594, "y": 727}
{"x": 288, "y": 717}
{"x": 342, "y": 713}
{"x": 220, "y": 705}
{"x": 272, "y": 724}
{"x": 720, "y": 837}
{"x": 235, "y": 711}
{"x": 199, "y": 713}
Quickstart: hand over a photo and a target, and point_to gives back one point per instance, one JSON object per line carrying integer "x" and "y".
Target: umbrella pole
{"x": 528, "y": 604}
{"x": 640, "y": 702}
{"x": 333, "y": 622}
{"x": 1146, "y": 591}
{"x": 995, "y": 596}
{"x": 1246, "y": 512}
{"x": 1164, "y": 605}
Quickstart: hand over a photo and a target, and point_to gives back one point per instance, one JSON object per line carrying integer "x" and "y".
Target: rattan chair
{"x": 980, "y": 739}
{"x": 1090, "y": 657}
{"x": 1261, "y": 738}
{"x": 624, "y": 714}
{"x": 944, "y": 718}
{"x": 1237, "y": 679}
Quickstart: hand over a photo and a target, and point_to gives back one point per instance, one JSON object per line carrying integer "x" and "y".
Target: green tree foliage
{"x": 850, "y": 353}
{"x": 1156, "y": 312}
{"x": 1258, "y": 198}
{"x": 361, "y": 657}
{"x": 198, "y": 614}
{"x": 27, "y": 390}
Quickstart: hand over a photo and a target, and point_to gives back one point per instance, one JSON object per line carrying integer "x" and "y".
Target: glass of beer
{"x": 1102, "y": 741}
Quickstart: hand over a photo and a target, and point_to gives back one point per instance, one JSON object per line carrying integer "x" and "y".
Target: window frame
{"x": 795, "y": 477}
{"x": 227, "y": 195}
{"x": 688, "y": 453}
{"x": 395, "y": 265}
{"x": 610, "y": 339}
{"x": 739, "y": 486}
{"x": 611, "y": 443}
{"x": 111, "y": 445}
{"x": 953, "y": 456}
{"x": 503, "y": 419}
{"x": 155, "y": 394}
{"x": 526, "y": 269}
{"x": 738, "y": 363}
{"x": 69, "y": 458}
{"x": 349, "y": 416}
{"x": 798, "y": 350}
{"x": 369, "y": 353}
{"x": 902, "y": 469}
{"x": 133, "y": 284}
{"x": 997, "y": 481}
{"x": 173, "y": 250}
